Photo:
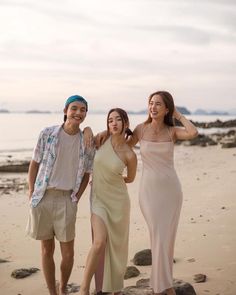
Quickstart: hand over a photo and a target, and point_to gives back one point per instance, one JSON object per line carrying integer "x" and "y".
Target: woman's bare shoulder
{"x": 139, "y": 126}
{"x": 138, "y": 129}
{"x": 100, "y": 138}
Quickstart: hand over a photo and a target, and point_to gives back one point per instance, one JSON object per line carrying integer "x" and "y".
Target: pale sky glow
{"x": 115, "y": 53}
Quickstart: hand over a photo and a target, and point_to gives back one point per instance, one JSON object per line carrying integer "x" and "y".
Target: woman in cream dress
{"x": 160, "y": 193}
{"x": 110, "y": 207}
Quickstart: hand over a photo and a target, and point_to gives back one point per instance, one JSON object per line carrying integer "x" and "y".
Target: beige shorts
{"x": 55, "y": 215}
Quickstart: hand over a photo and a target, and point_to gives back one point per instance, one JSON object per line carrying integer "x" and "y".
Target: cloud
{"x": 52, "y": 10}
{"x": 117, "y": 49}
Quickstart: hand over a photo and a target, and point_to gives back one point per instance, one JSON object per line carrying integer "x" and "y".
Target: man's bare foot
{"x": 83, "y": 291}
{"x": 61, "y": 291}
{"x": 57, "y": 287}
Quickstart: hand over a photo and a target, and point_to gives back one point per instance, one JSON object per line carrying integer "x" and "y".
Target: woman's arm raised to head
{"x": 189, "y": 131}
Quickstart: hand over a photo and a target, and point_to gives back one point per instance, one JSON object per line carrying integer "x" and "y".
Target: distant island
{"x": 182, "y": 110}
{"x": 4, "y": 111}
{"x": 206, "y": 113}
{"x": 37, "y": 112}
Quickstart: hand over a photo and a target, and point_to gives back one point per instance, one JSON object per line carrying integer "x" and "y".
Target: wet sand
{"x": 206, "y": 238}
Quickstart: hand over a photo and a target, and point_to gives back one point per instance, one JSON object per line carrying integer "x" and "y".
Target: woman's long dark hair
{"x": 169, "y": 103}
{"x": 125, "y": 120}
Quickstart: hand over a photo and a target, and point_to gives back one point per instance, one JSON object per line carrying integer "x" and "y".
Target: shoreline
{"x": 206, "y": 233}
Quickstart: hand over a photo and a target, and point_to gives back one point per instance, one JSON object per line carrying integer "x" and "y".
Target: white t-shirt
{"x": 66, "y": 165}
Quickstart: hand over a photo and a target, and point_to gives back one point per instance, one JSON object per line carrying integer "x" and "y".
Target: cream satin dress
{"x": 110, "y": 201}
{"x": 160, "y": 200}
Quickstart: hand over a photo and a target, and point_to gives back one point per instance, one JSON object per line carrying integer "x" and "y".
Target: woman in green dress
{"x": 110, "y": 207}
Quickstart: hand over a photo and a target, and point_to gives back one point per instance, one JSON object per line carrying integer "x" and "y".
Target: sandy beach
{"x": 206, "y": 238}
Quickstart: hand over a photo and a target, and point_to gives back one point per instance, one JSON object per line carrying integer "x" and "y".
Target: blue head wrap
{"x": 76, "y": 98}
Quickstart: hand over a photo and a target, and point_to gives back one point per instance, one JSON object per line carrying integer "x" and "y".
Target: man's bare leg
{"x": 67, "y": 253}
{"x": 47, "y": 251}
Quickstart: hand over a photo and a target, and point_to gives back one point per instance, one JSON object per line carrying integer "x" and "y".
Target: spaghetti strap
{"x": 142, "y": 130}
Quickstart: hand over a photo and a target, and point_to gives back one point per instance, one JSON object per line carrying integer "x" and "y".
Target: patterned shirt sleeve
{"x": 38, "y": 150}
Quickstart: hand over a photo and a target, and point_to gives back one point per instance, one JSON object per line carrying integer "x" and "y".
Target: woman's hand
{"x": 176, "y": 114}
{"x": 188, "y": 131}
{"x": 88, "y": 137}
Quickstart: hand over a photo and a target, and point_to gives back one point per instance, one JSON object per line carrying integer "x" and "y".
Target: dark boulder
{"x": 143, "y": 257}
{"x": 200, "y": 278}
{"x": 131, "y": 272}
{"x": 142, "y": 287}
{"x": 23, "y": 272}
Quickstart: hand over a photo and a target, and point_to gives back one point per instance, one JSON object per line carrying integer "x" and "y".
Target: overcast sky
{"x": 115, "y": 53}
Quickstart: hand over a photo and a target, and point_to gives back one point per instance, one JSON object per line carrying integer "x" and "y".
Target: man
{"x": 58, "y": 175}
